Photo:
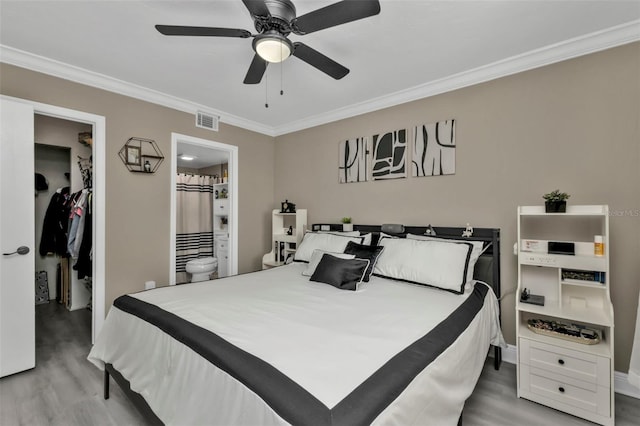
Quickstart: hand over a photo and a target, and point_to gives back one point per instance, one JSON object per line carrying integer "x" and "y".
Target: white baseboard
{"x": 620, "y": 380}
{"x": 510, "y": 354}
{"x": 622, "y": 386}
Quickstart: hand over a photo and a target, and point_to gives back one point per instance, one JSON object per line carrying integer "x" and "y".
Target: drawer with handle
{"x": 575, "y": 393}
{"x": 558, "y": 360}
{"x": 221, "y": 207}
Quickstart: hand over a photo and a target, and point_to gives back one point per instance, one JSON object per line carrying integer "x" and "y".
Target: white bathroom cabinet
{"x": 221, "y": 213}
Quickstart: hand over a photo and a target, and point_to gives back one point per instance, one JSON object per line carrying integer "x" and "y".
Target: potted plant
{"x": 555, "y": 201}
{"x": 346, "y": 224}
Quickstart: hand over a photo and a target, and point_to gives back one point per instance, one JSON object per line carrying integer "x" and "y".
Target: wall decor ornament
{"x": 434, "y": 149}
{"x": 141, "y": 155}
{"x": 287, "y": 207}
{"x": 354, "y": 160}
{"x": 389, "y": 155}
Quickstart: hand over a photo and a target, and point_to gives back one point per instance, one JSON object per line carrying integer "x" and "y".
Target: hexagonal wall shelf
{"x": 141, "y": 155}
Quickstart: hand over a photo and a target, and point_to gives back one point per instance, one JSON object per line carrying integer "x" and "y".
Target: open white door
{"x": 17, "y": 234}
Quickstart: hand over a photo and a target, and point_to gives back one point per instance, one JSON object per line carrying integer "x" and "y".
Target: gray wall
{"x": 573, "y": 125}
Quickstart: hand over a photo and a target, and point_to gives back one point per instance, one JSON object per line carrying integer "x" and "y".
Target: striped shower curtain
{"x": 194, "y": 221}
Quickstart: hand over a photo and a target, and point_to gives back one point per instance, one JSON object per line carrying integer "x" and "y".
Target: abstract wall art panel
{"x": 434, "y": 149}
{"x": 354, "y": 160}
{"x": 389, "y": 158}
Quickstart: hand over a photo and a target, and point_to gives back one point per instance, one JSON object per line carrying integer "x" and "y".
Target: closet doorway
{"x": 18, "y": 127}
{"x": 204, "y": 207}
{"x": 63, "y": 226}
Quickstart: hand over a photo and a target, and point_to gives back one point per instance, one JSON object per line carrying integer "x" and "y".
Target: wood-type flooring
{"x": 65, "y": 389}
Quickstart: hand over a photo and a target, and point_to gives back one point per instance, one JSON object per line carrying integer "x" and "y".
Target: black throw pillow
{"x": 371, "y": 253}
{"x": 344, "y": 274}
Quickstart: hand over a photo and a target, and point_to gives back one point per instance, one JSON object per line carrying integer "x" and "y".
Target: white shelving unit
{"x": 221, "y": 210}
{"x": 283, "y": 245}
{"x": 568, "y": 376}
{"x": 221, "y": 206}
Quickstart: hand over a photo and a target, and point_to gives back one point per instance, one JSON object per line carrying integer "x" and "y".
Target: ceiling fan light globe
{"x": 273, "y": 48}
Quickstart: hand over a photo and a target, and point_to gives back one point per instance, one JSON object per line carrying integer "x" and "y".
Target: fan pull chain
{"x": 266, "y": 90}
{"x": 281, "y": 68}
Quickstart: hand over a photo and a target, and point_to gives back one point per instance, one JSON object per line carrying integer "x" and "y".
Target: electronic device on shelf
{"x": 534, "y": 299}
{"x": 571, "y": 332}
{"x": 559, "y": 247}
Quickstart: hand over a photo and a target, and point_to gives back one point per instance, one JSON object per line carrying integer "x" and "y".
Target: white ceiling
{"x": 393, "y": 56}
{"x": 203, "y": 156}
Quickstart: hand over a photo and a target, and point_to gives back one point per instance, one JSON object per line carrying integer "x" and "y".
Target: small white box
{"x": 534, "y": 246}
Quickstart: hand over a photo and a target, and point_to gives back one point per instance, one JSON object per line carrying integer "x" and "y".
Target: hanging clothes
{"x": 80, "y": 235}
{"x": 54, "y": 227}
{"x": 76, "y": 221}
{"x": 84, "y": 264}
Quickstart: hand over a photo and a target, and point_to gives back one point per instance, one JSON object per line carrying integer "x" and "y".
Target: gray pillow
{"x": 362, "y": 251}
{"x": 344, "y": 274}
{"x": 317, "y": 256}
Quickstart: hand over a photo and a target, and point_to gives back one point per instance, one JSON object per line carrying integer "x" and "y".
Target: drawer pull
{"x": 561, "y": 361}
{"x": 561, "y": 389}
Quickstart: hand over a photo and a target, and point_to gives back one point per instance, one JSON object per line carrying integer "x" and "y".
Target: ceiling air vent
{"x": 207, "y": 121}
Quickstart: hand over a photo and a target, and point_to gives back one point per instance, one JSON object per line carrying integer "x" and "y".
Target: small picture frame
{"x": 132, "y": 155}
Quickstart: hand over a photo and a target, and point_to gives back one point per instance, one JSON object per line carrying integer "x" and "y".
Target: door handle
{"x": 20, "y": 250}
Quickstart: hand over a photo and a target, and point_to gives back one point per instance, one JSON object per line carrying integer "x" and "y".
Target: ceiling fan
{"x": 274, "y": 20}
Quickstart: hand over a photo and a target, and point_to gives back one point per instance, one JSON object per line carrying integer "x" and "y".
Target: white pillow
{"x": 317, "y": 256}
{"x": 343, "y": 233}
{"x": 366, "y": 239}
{"x": 435, "y": 263}
{"x": 321, "y": 241}
{"x": 478, "y": 246}
{"x": 383, "y": 235}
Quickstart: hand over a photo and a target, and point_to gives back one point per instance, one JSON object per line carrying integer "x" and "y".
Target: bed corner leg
{"x": 497, "y": 357}
{"x": 106, "y": 383}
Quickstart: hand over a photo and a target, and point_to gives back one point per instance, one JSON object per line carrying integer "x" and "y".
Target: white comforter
{"x": 327, "y": 340}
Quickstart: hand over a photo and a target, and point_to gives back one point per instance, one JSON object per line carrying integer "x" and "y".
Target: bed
{"x": 279, "y": 347}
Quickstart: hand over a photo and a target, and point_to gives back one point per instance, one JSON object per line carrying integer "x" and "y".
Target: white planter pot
{"x": 347, "y": 227}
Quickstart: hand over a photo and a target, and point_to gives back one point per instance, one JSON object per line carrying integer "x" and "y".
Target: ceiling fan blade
{"x": 335, "y": 14}
{"x": 318, "y": 60}
{"x": 256, "y": 70}
{"x": 257, "y": 7}
{"x": 178, "y": 30}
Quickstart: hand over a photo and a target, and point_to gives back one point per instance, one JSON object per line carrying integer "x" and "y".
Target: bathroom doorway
{"x": 204, "y": 213}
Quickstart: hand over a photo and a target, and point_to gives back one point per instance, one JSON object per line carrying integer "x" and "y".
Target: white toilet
{"x": 201, "y": 269}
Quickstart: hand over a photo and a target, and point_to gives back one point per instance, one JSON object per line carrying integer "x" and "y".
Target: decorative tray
{"x": 571, "y": 332}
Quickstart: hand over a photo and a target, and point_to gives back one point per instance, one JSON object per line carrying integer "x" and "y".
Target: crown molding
{"x": 76, "y": 74}
{"x": 568, "y": 49}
